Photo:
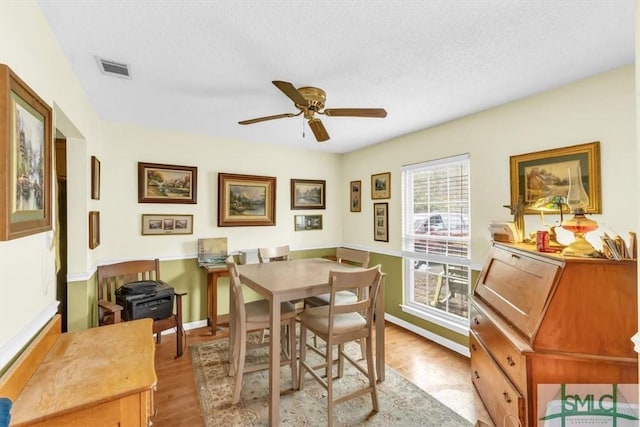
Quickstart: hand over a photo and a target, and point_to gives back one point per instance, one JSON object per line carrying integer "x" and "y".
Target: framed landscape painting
{"x": 158, "y": 183}
{"x": 307, "y": 194}
{"x": 25, "y": 159}
{"x": 381, "y": 186}
{"x": 246, "y": 200}
{"x": 544, "y": 174}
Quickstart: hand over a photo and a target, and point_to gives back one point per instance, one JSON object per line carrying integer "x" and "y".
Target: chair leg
{"x": 303, "y": 356}
{"x": 371, "y": 374}
{"x": 237, "y": 385}
{"x": 329, "y": 359}
{"x": 292, "y": 354}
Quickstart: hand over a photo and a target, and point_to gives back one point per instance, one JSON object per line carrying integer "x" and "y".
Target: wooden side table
{"x": 213, "y": 273}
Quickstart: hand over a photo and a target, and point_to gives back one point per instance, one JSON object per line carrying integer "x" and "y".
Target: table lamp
{"x": 551, "y": 204}
{"x": 579, "y": 225}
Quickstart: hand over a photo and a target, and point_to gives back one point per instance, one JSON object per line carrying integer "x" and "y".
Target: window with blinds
{"x": 436, "y": 238}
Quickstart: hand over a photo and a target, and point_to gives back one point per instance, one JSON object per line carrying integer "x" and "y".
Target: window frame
{"x": 443, "y": 318}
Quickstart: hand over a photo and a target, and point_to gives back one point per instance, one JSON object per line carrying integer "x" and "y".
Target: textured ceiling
{"x": 201, "y": 66}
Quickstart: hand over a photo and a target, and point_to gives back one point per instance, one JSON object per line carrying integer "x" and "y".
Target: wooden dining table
{"x": 296, "y": 279}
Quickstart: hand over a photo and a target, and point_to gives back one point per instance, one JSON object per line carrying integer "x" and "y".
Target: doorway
{"x": 61, "y": 226}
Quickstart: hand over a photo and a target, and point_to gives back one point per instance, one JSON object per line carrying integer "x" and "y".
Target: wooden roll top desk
{"x": 540, "y": 318}
{"x": 95, "y": 377}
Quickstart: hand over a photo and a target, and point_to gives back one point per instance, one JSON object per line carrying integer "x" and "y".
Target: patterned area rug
{"x": 402, "y": 403}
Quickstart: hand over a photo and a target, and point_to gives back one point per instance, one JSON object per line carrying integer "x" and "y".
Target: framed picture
{"x": 158, "y": 183}
{"x": 246, "y": 200}
{"x": 381, "y": 186}
{"x": 95, "y": 178}
{"x": 381, "y": 222}
{"x": 94, "y": 229}
{"x": 308, "y": 222}
{"x": 545, "y": 174}
{"x": 307, "y": 194}
{"x": 158, "y": 224}
{"x": 355, "y": 196}
{"x": 25, "y": 159}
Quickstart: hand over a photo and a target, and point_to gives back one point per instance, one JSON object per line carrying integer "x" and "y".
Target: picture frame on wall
{"x": 381, "y": 186}
{"x": 94, "y": 229}
{"x": 160, "y": 183}
{"x": 166, "y": 224}
{"x": 308, "y": 194}
{"x": 25, "y": 153}
{"x": 544, "y": 174}
{"x": 246, "y": 200}
{"x": 355, "y": 196}
{"x": 307, "y": 222}
{"x": 381, "y": 222}
{"x": 95, "y": 178}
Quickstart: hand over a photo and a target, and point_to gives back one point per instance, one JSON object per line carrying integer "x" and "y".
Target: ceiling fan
{"x": 310, "y": 100}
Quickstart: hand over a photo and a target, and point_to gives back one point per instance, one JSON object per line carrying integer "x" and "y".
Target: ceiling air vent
{"x": 112, "y": 68}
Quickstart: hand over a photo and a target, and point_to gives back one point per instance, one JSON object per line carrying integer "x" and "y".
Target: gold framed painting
{"x": 166, "y": 224}
{"x": 94, "y": 229}
{"x": 381, "y": 186}
{"x": 159, "y": 183}
{"x": 25, "y": 153}
{"x": 544, "y": 174}
{"x": 308, "y": 194}
{"x": 355, "y": 196}
{"x": 246, "y": 200}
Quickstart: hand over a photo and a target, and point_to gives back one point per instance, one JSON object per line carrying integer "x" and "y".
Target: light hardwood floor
{"x": 444, "y": 374}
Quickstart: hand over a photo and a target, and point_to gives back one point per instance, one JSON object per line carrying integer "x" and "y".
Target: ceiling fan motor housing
{"x": 315, "y": 97}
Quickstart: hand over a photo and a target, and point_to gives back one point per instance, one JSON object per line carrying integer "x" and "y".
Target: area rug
{"x": 402, "y": 403}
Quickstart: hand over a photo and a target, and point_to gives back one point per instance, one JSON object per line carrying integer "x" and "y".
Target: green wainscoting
{"x": 185, "y": 276}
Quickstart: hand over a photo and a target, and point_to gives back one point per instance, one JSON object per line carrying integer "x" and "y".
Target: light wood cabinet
{"x": 546, "y": 319}
{"x": 96, "y": 377}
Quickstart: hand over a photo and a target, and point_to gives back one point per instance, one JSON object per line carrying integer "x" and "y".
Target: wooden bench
{"x": 95, "y": 377}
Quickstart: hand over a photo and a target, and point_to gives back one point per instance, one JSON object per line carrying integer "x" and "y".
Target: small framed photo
{"x": 381, "y": 222}
{"x": 94, "y": 229}
{"x": 167, "y": 183}
{"x": 95, "y": 178}
{"x": 381, "y": 186}
{"x": 308, "y": 222}
{"x": 307, "y": 194}
{"x": 355, "y": 196}
{"x": 158, "y": 224}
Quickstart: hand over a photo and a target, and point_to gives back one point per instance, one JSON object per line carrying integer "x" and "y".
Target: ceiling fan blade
{"x": 289, "y": 90}
{"x": 355, "y": 112}
{"x": 318, "y": 130}
{"x": 264, "y": 119}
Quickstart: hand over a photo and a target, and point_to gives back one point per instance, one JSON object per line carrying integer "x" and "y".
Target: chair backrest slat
{"x": 365, "y": 282}
{"x": 278, "y": 253}
{"x": 113, "y": 276}
{"x": 236, "y": 288}
{"x": 353, "y": 256}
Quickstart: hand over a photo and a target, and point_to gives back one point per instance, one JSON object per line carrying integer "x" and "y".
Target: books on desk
{"x": 212, "y": 252}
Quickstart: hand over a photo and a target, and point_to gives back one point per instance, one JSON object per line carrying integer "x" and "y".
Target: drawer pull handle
{"x": 476, "y": 374}
{"x": 476, "y": 321}
{"x": 515, "y": 256}
{"x": 473, "y": 347}
{"x": 510, "y": 361}
{"x": 506, "y": 397}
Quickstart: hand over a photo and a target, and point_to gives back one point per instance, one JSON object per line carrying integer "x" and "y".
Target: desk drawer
{"x": 498, "y": 394}
{"x": 510, "y": 359}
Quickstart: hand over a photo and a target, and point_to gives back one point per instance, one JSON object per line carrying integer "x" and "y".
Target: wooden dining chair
{"x": 277, "y": 253}
{"x": 255, "y": 316}
{"x": 345, "y": 256}
{"x": 113, "y": 276}
{"x": 337, "y": 324}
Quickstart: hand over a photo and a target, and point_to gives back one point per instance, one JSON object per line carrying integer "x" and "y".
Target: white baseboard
{"x": 451, "y": 345}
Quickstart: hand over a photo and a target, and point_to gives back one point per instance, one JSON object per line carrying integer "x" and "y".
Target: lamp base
{"x": 580, "y": 247}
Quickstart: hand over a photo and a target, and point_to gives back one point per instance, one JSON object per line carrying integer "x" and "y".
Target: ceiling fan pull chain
{"x": 303, "y": 135}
